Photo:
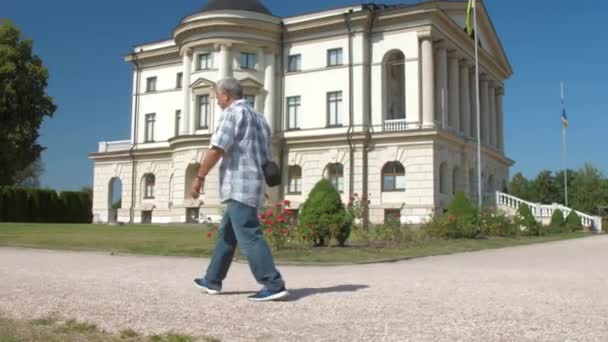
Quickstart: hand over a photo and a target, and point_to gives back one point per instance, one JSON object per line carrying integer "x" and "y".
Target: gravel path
{"x": 550, "y": 292}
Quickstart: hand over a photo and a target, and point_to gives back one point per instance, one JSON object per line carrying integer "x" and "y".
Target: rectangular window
{"x": 334, "y": 57}
{"x": 247, "y": 60}
{"x": 146, "y": 217}
{"x": 203, "y": 111}
{"x": 293, "y": 107}
{"x": 151, "y": 84}
{"x": 250, "y": 100}
{"x": 149, "y": 132}
{"x": 204, "y": 61}
{"x": 295, "y": 180}
{"x": 334, "y": 109}
{"x": 294, "y": 63}
{"x": 179, "y": 80}
{"x": 178, "y": 119}
{"x": 392, "y": 214}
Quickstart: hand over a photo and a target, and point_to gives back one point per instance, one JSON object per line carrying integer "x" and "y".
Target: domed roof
{"x": 243, "y": 5}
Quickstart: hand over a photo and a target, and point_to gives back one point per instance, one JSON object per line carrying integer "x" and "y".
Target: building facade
{"x": 378, "y": 99}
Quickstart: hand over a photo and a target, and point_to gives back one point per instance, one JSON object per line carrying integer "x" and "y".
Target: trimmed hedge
{"x": 44, "y": 205}
{"x": 324, "y": 213}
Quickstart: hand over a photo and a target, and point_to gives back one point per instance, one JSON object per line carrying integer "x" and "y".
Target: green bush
{"x": 462, "y": 221}
{"x": 573, "y": 222}
{"x": 8, "y": 205}
{"x": 389, "y": 232}
{"x": 21, "y": 205}
{"x": 526, "y": 222}
{"x": 558, "y": 223}
{"x": 2, "y": 204}
{"x": 86, "y": 207}
{"x": 51, "y": 209}
{"x": 324, "y": 213}
{"x": 460, "y": 206}
{"x": 33, "y": 208}
{"x": 496, "y": 223}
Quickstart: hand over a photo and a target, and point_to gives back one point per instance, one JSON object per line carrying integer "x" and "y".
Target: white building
{"x": 379, "y": 99}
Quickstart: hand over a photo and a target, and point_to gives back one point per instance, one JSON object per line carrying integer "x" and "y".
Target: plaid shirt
{"x": 244, "y": 136}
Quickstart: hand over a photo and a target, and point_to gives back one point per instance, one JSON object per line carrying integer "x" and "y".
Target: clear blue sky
{"x": 82, "y": 44}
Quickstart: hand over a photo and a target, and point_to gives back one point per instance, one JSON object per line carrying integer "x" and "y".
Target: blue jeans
{"x": 240, "y": 224}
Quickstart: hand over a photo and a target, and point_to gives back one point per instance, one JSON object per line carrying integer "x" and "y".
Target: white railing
{"x": 399, "y": 125}
{"x": 544, "y": 211}
{"x": 114, "y": 146}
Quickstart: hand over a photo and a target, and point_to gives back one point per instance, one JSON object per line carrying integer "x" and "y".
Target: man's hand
{"x": 197, "y": 185}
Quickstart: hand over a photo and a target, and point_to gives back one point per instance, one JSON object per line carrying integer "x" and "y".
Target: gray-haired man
{"x": 242, "y": 141}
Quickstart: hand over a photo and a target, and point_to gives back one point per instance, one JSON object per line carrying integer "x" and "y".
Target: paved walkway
{"x": 551, "y": 292}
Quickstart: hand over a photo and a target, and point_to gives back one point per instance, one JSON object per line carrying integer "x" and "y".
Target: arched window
{"x": 394, "y": 85}
{"x": 191, "y": 172}
{"x": 335, "y": 174}
{"x": 149, "y": 183}
{"x": 443, "y": 174}
{"x": 295, "y": 180}
{"x": 393, "y": 177}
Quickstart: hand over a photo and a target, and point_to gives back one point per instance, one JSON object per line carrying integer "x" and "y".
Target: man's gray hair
{"x": 230, "y": 86}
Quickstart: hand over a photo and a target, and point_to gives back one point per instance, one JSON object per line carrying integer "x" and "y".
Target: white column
{"x": 442, "y": 86}
{"x": 133, "y": 99}
{"x": 185, "y": 122}
{"x": 428, "y": 80}
{"x": 454, "y": 93}
{"x": 485, "y": 110}
{"x": 225, "y": 61}
{"x": 270, "y": 87}
{"x": 260, "y": 98}
{"x": 500, "y": 119}
{"x": 465, "y": 100}
{"x": 473, "y": 102}
{"x": 492, "y": 98}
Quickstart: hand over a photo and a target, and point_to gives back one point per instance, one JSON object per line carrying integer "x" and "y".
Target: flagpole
{"x": 479, "y": 189}
{"x": 565, "y": 150}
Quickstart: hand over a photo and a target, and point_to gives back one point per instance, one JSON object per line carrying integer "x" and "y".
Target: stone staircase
{"x": 542, "y": 212}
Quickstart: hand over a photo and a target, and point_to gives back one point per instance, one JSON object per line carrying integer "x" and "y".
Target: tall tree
{"x": 520, "y": 187}
{"x": 545, "y": 189}
{"x": 589, "y": 190}
{"x": 23, "y": 103}
{"x": 30, "y": 176}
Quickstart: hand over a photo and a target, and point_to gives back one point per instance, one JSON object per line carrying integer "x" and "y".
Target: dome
{"x": 242, "y": 5}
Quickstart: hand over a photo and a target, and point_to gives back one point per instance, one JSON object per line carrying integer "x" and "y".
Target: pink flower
{"x": 269, "y": 231}
{"x": 283, "y": 231}
{"x": 270, "y": 213}
{"x": 287, "y": 202}
{"x": 262, "y": 217}
{"x": 280, "y": 218}
{"x": 278, "y": 205}
{"x": 271, "y": 222}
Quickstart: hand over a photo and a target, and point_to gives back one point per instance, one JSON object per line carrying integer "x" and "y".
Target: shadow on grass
{"x": 297, "y": 294}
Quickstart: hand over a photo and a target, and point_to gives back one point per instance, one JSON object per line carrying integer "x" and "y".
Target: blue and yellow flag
{"x": 470, "y": 9}
{"x": 564, "y": 118}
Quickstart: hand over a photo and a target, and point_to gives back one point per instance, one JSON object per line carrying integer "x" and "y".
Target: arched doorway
{"x": 114, "y": 199}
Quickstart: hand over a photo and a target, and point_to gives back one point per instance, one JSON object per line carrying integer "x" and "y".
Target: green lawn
{"x": 191, "y": 241}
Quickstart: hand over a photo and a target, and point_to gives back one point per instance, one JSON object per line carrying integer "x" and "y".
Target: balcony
{"x": 114, "y": 146}
{"x": 400, "y": 125}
